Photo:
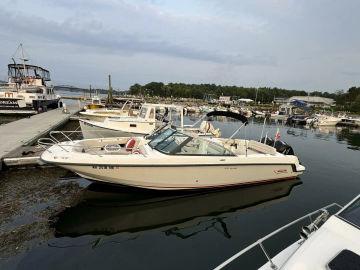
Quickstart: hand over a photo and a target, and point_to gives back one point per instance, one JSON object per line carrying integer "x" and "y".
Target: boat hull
{"x": 11, "y": 106}
{"x": 167, "y": 177}
{"x": 100, "y": 115}
{"x": 90, "y": 131}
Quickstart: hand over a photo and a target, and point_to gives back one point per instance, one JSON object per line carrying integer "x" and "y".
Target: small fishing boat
{"x": 328, "y": 242}
{"x": 349, "y": 122}
{"x": 151, "y": 116}
{"x": 327, "y": 120}
{"x": 257, "y": 113}
{"x": 172, "y": 160}
{"x": 100, "y": 114}
{"x": 299, "y": 120}
{"x": 192, "y": 110}
{"x": 95, "y": 104}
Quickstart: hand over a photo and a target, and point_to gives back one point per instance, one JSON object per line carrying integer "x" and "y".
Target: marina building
{"x": 311, "y": 100}
{"x": 314, "y": 101}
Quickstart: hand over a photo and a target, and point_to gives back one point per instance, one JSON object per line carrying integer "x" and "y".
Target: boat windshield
{"x": 142, "y": 113}
{"x": 159, "y": 136}
{"x": 352, "y": 213}
{"x": 157, "y": 132}
{"x": 172, "y": 142}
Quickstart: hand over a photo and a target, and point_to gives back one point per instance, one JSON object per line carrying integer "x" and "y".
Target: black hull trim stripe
{"x": 167, "y": 188}
{"x": 168, "y": 165}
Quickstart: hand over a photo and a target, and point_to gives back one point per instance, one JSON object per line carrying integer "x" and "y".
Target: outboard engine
{"x": 280, "y": 146}
{"x": 289, "y": 120}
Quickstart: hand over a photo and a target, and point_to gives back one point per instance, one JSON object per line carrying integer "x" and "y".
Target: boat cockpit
{"x": 28, "y": 74}
{"x": 173, "y": 142}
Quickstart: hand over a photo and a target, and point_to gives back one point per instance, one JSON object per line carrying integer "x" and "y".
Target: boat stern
{"x": 300, "y": 168}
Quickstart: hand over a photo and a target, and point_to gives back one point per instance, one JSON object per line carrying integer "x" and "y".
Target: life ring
{"x": 136, "y": 152}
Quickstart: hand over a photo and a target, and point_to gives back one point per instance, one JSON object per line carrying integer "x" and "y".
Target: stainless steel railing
{"x": 261, "y": 240}
{"x": 45, "y": 143}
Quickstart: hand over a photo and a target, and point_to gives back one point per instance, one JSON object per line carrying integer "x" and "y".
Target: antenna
{"x": 24, "y": 59}
{"x": 20, "y": 51}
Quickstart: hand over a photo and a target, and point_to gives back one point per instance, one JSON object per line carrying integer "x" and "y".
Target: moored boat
{"x": 171, "y": 160}
{"x": 149, "y": 118}
{"x": 27, "y": 90}
{"x": 100, "y": 114}
{"x": 327, "y": 120}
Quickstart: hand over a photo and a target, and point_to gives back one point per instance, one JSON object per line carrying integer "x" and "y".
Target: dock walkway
{"x": 26, "y": 131}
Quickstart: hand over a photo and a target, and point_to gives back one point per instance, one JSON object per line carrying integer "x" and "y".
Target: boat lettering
{"x": 8, "y": 102}
{"x": 104, "y": 167}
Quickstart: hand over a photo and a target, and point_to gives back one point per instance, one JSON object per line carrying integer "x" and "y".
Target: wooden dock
{"x": 26, "y": 131}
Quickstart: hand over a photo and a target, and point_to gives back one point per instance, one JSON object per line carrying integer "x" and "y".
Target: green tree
{"x": 355, "y": 106}
{"x": 135, "y": 89}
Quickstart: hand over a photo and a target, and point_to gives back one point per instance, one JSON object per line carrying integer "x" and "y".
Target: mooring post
{"x": 109, "y": 97}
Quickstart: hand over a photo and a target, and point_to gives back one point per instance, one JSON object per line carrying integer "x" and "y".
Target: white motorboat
{"x": 329, "y": 242}
{"x": 284, "y": 112}
{"x": 171, "y": 160}
{"x": 205, "y": 109}
{"x": 192, "y": 110}
{"x": 257, "y": 113}
{"x": 96, "y": 103}
{"x": 348, "y": 121}
{"x": 327, "y": 120}
{"x": 26, "y": 91}
{"x": 100, "y": 114}
{"x": 145, "y": 123}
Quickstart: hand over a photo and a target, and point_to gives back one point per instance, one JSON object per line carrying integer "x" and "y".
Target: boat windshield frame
{"x": 18, "y": 71}
{"x": 143, "y": 112}
{"x": 159, "y": 142}
{"x": 160, "y": 135}
{"x": 347, "y": 214}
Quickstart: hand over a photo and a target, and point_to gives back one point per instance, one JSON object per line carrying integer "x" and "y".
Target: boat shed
{"x": 225, "y": 99}
{"x": 314, "y": 101}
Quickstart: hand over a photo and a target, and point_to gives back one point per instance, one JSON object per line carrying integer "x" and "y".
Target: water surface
{"x": 119, "y": 228}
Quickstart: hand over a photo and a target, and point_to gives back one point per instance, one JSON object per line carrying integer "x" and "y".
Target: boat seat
{"x": 130, "y": 144}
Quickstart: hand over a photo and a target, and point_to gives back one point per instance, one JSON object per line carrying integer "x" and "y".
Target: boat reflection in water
{"x": 351, "y": 136}
{"x": 108, "y": 210}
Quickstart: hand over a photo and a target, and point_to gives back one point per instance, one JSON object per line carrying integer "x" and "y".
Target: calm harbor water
{"x": 119, "y": 228}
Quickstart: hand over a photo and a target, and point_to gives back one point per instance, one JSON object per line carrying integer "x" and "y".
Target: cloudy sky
{"x": 310, "y": 45}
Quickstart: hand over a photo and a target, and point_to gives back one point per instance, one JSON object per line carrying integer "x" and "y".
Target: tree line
{"x": 349, "y": 100}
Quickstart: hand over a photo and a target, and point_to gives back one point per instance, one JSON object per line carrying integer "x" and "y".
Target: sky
{"x": 311, "y": 45}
